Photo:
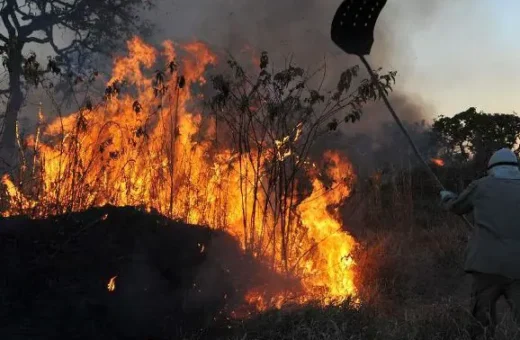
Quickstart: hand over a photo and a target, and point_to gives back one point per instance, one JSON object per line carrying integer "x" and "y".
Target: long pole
{"x": 405, "y": 132}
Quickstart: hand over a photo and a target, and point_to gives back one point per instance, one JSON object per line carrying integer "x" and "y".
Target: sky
{"x": 449, "y": 54}
{"x": 468, "y": 56}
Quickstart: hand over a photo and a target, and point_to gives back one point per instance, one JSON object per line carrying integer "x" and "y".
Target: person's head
{"x": 503, "y": 160}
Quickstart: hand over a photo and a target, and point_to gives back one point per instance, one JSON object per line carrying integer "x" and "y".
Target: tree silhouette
{"x": 474, "y": 136}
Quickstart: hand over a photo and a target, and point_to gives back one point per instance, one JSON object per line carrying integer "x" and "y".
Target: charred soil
{"x": 170, "y": 278}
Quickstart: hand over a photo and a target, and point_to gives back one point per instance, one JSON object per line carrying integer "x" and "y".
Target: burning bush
{"x": 240, "y": 163}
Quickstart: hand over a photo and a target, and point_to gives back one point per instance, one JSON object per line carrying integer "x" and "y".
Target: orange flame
{"x": 254, "y": 55}
{"x": 154, "y": 148}
{"x": 438, "y": 161}
{"x": 111, "y": 286}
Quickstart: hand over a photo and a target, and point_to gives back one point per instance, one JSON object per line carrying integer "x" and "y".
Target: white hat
{"x": 503, "y": 157}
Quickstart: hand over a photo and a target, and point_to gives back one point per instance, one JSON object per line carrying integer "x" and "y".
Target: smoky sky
{"x": 296, "y": 29}
{"x": 300, "y": 30}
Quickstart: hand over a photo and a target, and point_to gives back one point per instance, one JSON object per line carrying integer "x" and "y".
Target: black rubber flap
{"x": 353, "y": 25}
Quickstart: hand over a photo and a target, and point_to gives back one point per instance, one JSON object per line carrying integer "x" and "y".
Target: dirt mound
{"x": 171, "y": 278}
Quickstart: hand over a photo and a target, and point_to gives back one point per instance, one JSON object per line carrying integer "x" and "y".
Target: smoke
{"x": 299, "y": 29}
{"x": 296, "y": 30}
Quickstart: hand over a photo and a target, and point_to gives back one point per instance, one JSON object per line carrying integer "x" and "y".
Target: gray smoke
{"x": 297, "y": 29}
{"x": 300, "y": 29}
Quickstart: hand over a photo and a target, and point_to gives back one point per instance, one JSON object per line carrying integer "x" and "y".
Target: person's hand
{"x": 446, "y": 195}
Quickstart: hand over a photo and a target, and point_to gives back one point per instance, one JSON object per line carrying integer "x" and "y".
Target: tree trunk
{"x": 8, "y": 142}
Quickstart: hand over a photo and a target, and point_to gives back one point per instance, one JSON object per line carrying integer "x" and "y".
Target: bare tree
{"x": 273, "y": 121}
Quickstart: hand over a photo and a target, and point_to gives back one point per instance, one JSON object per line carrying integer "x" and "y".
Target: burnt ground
{"x": 172, "y": 279}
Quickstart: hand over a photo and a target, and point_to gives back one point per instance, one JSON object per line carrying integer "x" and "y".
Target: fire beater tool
{"x": 353, "y": 31}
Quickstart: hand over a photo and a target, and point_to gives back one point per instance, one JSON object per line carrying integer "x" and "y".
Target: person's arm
{"x": 462, "y": 204}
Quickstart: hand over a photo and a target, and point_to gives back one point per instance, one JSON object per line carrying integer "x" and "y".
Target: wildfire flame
{"x": 151, "y": 148}
{"x": 254, "y": 55}
{"x": 438, "y": 161}
{"x": 111, "y": 286}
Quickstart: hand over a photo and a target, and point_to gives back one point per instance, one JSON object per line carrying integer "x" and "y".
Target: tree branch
{"x": 4, "y": 14}
{"x": 39, "y": 23}
{"x": 14, "y": 5}
{"x": 38, "y": 40}
{"x": 57, "y": 50}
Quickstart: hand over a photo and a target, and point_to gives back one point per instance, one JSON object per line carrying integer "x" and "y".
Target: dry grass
{"x": 413, "y": 286}
{"x": 410, "y": 276}
{"x": 411, "y": 283}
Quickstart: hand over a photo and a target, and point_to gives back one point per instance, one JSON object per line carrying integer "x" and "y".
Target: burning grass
{"x": 409, "y": 277}
{"x": 412, "y": 287}
{"x": 236, "y": 161}
{"x": 58, "y": 272}
{"x": 110, "y": 272}
{"x": 243, "y": 166}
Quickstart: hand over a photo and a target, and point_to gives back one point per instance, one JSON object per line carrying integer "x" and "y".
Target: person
{"x": 493, "y": 254}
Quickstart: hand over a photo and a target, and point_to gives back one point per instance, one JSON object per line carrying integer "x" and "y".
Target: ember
{"x": 152, "y": 148}
{"x": 112, "y": 284}
{"x": 438, "y": 161}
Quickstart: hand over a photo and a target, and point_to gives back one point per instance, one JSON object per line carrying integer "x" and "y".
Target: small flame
{"x": 255, "y": 59}
{"x": 112, "y": 284}
{"x": 438, "y": 161}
